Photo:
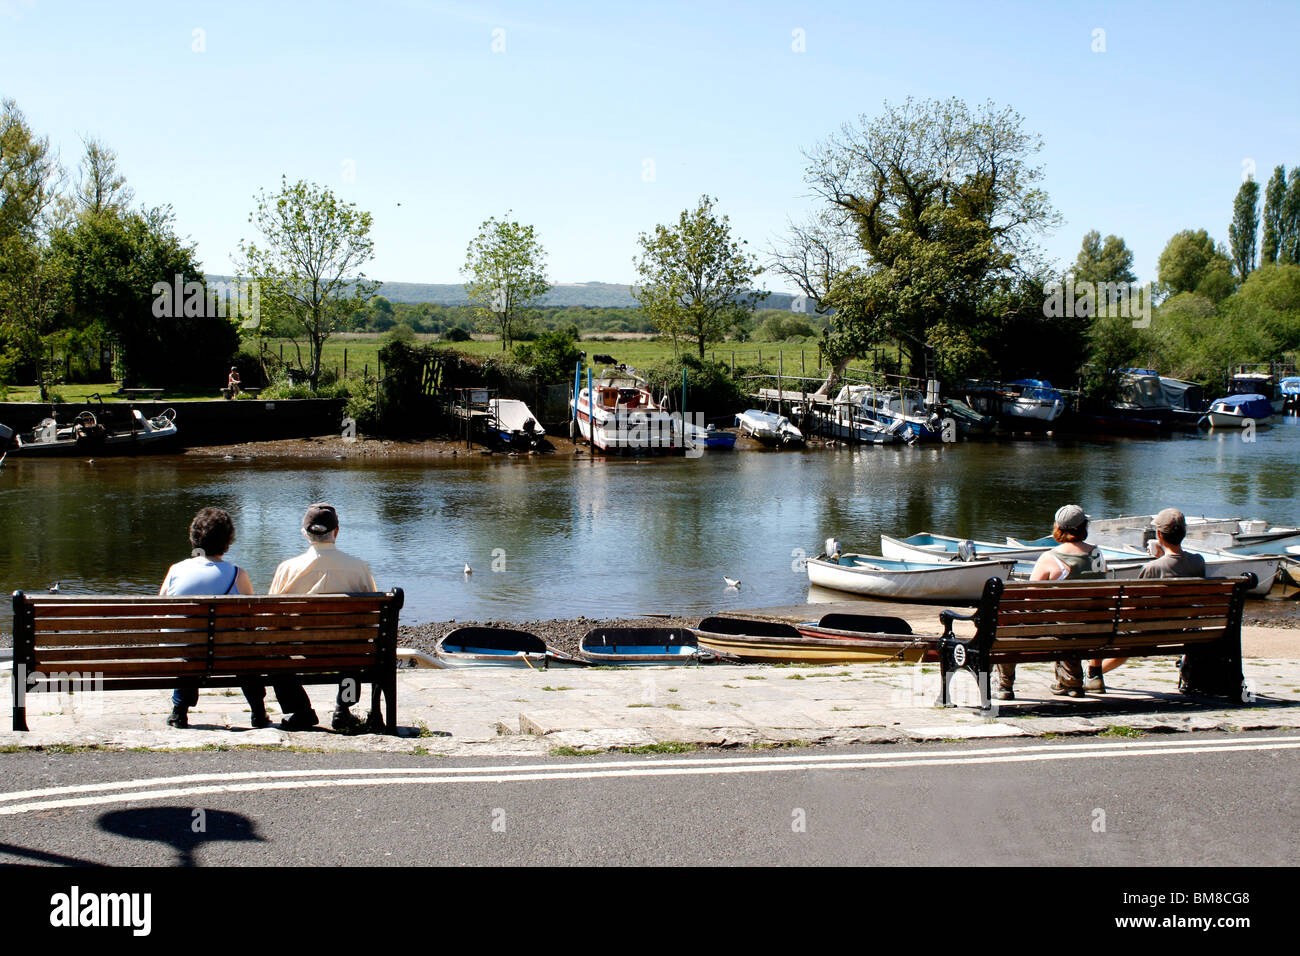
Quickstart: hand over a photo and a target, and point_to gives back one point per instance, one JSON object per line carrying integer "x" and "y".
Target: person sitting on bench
{"x": 212, "y": 532}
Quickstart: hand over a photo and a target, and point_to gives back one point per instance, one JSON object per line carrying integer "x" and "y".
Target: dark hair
{"x": 1078, "y": 537}
{"x": 1175, "y": 535}
{"x": 212, "y": 531}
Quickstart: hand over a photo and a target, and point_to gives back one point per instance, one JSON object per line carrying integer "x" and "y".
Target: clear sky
{"x": 407, "y": 102}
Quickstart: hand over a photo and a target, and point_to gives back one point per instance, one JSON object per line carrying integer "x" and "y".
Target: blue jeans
{"x": 187, "y": 695}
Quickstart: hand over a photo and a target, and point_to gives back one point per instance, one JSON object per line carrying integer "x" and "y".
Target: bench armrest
{"x": 947, "y": 617}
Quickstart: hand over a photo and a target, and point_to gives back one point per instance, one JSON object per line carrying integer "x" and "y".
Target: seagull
{"x": 468, "y": 569}
{"x": 54, "y": 588}
{"x": 731, "y": 582}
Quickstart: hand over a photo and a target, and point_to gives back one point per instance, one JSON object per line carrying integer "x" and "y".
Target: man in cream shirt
{"x": 321, "y": 569}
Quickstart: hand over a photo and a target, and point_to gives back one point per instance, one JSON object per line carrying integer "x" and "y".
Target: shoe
{"x": 346, "y": 720}
{"x": 1060, "y": 690}
{"x": 260, "y": 720}
{"x": 1094, "y": 681}
{"x": 1006, "y": 694}
{"x": 303, "y": 720}
{"x": 179, "y": 718}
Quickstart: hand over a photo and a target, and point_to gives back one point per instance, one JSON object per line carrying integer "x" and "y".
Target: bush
{"x": 456, "y": 334}
{"x": 709, "y": 386}
{"x": 552, "y": 356}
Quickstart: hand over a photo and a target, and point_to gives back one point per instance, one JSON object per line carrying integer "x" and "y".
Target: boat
{"x": 769, "y": 428}
{"x": 896, "y": 411}
{"x": 970, "y": 423}
{"x": 875, "y": 628}
{"x": 511, "y": 421}
{"x": 642, "y": 645}
{"x": 941, "y": 547}
{"x": 846, "y": 422}
{"x": 1235, "y": 411}
{"x": 625, "y": 416}
{"x": 99, "y": 433}
{"x": 1218, "y": 564}
{"x": 499, "y": 647}
{"x": 738, "y": 639}
{"x": 911, "y": 580}
{"x": 1290, "y": 389}
{"x": 711, "y": 437}
{"x": 1247, "y": 382}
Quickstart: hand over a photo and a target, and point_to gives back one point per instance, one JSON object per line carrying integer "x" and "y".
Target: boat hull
{"x": 907, "y": 580}
{"x": 809, "y": 649}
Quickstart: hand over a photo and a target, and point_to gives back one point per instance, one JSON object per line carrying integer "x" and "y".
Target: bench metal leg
{"x": 18, "y": 676}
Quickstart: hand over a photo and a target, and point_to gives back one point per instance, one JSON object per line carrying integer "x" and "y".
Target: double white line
{"x": 192, "y": 785}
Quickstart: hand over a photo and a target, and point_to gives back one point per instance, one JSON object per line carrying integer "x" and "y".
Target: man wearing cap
{"x": 1071, "y": 558}
{"x": 322, "y": 569}
{"x": 1171, "y": 561}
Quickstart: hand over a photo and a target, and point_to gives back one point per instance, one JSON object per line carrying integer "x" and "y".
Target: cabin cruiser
{"x": 624, "y": 416}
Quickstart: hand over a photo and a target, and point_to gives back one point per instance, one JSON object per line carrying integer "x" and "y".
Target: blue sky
{"x": 406, "y": 101}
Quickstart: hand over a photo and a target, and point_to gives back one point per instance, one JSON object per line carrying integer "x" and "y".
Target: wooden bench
{"x": 118, "y": 643}
{"x": 1085, "y": 619}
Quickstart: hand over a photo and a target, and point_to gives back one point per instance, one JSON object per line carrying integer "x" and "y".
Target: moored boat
{"x": 642, "y": 645}
{"x": 711, "y": 437}
{"x": 102, "y": 433}
{"x": 773, "y": 642}
{"x": 1235, "y": 411}
{"x": 511, "y": 421}
{"x": 878, "y": 576}
{"x": 930, "y": 547}
{"x": 769, "y": 428}
{"x": 498, "y": 647}
{"x": 625, "y": 417}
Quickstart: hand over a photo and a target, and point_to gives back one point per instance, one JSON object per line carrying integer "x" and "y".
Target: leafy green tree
{"x": 1274, "y": 194}
{"x": 1289, "y": 228}
{"x": 100, "y": 186}
{"x": 309, "y": 262}
{"x": 552, "y": 355}
{"x": 695, "y": 279}
{"x": 1108, "y": 261}
{"x": 1185, "y": 259}
{"x": 945, "y": 204}
{"x": 1243, "y": 232}
{"x": 506, "y": 270}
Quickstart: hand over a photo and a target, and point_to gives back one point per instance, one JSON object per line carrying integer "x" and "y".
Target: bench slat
{"x": 61, "y": 655}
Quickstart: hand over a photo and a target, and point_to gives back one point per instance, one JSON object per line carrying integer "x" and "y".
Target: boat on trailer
{"x": 772, "y": 642}
{"x": 621, "y": 646}
{"x": 510, "y": 420}
{"x": 499, "y": 647}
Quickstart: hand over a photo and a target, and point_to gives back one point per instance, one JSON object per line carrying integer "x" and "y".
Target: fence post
{"x": 345, "y": 363}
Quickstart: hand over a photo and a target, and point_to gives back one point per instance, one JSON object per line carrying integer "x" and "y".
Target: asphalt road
{"x": 1183, "y": 800}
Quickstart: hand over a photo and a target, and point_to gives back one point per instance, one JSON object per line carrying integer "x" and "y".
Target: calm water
{"x": 609, "y": 538}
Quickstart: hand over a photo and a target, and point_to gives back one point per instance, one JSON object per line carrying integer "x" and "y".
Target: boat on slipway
{"x": 511, "y": 421}
{"x": 475, "y": 647}
{"x": 621, "y": 646}
{"x": 739, "y": 639}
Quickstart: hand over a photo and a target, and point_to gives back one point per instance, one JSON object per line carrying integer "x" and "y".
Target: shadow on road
{"x": 182, "y": 828}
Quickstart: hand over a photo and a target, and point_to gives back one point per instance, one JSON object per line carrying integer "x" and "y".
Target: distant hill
{"x": 601, "y": 295}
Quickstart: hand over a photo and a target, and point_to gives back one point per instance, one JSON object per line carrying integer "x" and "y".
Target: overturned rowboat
{"x": 620, "y": 646}
{"x": 499, "y": 647}
{"x": 892, "y": 634}
{"x": 771, "y": 642}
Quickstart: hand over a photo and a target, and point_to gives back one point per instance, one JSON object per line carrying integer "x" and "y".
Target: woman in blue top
{"x": 211, "y": 535}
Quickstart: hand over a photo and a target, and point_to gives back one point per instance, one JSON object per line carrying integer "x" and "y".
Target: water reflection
{"x": 576, "y": 538}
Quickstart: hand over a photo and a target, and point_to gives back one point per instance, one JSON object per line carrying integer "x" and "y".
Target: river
{"x": 562, "y": 538}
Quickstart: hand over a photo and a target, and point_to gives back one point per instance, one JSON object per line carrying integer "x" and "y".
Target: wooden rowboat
{"x": 875, "y": 628}
{"x": 769, "y": 642}
{"x": 642, "y": 645}
{"x": 499, "y": 647}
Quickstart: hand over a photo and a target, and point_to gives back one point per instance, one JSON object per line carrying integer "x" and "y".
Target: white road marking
{"x": 248, "y": 782}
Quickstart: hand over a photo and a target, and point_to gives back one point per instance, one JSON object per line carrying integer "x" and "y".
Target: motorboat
{"x": 1031, "y": 400}
{"x": 710, "y": 437}
{"x": 769, "y": 428}
{"x": 510, "y": 420}
{"x": 102, "y": 432}
{"x": 896, "y": 411}
{"x": 1290, "y": 389}
{"x": 1235, "y": 411}
{"x": 624, "y": 416}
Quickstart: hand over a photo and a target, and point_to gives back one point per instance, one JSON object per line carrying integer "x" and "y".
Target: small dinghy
{"x": 642, "y": 645}
{"x": 891, "y": 634}
{"x": 499, "y": 647}
{"x": 942, "y": 547}
{"x": 738, "y": 639}
{"x": 768, "y": 427}
{"x": 934, "y": 580}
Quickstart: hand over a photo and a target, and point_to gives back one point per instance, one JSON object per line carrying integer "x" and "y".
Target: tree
{"x": 1243, "y": 232}
{"x": 506, "y": 266}
{"x": 31, "y": 286}
{"x": 552, "y": 355}
{"x": 695, "y": 279}
{"x": 309, "y": 265}
{"x": 1289, "y": 238}
{"x": 1185, "y": 259}
{"x": 100, "y": 187}
{"x": 1108, "y": 261}
{"x": 944, "y": 204}
{"x": 1274, "y": 194}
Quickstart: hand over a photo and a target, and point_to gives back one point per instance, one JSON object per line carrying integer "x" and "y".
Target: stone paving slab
{"x": 503, "y": 712}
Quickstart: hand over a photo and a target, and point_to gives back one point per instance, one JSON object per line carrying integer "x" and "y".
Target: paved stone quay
{"x": 501, "y": 712}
